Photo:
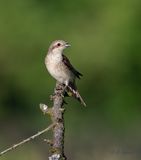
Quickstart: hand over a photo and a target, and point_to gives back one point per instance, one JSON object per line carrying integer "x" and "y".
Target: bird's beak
{"x": 67, "y": 45}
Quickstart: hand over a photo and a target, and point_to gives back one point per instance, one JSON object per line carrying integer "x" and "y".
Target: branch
{"x": 57, "y": 116}
{"x": 27, "y": 140}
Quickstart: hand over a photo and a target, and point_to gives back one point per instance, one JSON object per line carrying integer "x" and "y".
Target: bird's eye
{"x": 58, "y": 44}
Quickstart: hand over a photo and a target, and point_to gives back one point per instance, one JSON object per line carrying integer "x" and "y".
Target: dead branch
{"x": 27, "y": 140}
{"x": 57, "y": 116}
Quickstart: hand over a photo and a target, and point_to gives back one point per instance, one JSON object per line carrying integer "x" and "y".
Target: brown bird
{"x": 61, "y": 69}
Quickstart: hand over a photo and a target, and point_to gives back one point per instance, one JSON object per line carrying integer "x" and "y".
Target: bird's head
{"x": 58, "y": 46}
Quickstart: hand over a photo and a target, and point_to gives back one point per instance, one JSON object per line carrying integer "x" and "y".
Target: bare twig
{"x": 27, "y": 140}
{"x": 57, "y": 116}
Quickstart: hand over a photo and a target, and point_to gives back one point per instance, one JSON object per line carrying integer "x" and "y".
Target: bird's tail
{"x": 74, "y": 93}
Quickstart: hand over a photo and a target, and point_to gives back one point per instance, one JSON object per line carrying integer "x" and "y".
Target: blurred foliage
{"x": 105, "y": 38}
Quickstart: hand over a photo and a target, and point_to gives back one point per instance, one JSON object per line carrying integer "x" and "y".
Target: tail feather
{"x": 76, "y": 95}
{"x": 80, "y": 98}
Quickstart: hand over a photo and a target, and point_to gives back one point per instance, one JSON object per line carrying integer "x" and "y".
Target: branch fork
{"x": 56, "y": 112}
{"x": 57, "y": 116}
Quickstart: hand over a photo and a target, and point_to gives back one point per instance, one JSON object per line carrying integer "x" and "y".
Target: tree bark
{"x": 57, "y": 116}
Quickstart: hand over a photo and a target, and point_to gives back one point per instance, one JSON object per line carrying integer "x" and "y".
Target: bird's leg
{"x": 64, "y": 90}
{"x": 66, "y": 86}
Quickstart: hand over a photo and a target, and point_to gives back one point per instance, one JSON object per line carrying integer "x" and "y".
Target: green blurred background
{"x": 105, "y": 38}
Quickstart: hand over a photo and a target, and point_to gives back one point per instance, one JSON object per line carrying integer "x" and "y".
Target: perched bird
{"x": 61, "y": 69}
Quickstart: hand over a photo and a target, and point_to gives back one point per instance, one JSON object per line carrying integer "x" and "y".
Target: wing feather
{"x": 70, "y": 67}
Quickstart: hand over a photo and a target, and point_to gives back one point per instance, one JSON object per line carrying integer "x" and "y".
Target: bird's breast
{"x": 58, "y": 70}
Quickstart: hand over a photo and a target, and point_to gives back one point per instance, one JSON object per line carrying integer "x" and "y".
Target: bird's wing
{"x": 70, "y": 67}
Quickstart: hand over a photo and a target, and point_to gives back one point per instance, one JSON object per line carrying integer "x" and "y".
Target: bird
{"x": 60, "y": 68}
